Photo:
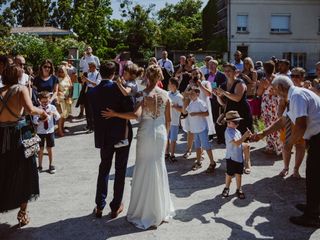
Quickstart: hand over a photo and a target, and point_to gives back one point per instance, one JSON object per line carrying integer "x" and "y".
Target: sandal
{"x": 247, "y": 170}
{"x": 240, "y": 194}
{"x": 284, "y": 172}
{"x": 97, "y": 212}
{"x": 196, "y": 165}
{"x": 173, "y": 158}
{"x": 225, "y": 192}
{"x": 211, "y": 168}
{"x": 167, "y": 156}
{"x": 23, "y": 218}
{"x": 186, "y": 154}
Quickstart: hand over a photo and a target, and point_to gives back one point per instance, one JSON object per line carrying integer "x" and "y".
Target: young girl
{"x": 129, "y": 87}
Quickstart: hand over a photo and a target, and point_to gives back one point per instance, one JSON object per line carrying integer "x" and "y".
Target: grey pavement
{"x": 64, "y": 209}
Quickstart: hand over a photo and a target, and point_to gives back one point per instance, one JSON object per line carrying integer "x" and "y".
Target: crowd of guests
{"x": 205, "y": 102}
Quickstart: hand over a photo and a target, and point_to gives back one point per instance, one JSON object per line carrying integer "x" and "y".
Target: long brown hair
{"x": 11, "y": 74}
{"x": 44, "y": 62}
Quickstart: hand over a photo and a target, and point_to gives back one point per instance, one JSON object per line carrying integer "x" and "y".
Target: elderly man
{"x": 205, "y": 68}
{"x": 303, "y": 109}
{"x": 237, "y": 60}
{"x": 20, "y": 61}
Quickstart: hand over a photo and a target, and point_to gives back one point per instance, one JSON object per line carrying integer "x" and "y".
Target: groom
{"x": 107, "y": 133}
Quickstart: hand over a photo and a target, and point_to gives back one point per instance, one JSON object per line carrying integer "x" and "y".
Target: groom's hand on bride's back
{"x": 108, "y": 113}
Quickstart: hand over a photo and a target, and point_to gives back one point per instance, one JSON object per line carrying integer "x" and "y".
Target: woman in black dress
{"x": 19, "y": 181}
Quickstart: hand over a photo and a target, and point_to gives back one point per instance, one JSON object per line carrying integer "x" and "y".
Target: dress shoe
{"x": 115, "y": 214}
{"x": 301, "y": 207}
{"x": 306, "y": 221}
{"x": 97, "y": 212}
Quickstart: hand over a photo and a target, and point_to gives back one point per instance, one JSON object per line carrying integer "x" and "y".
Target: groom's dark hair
{"x": 107, "y": 69}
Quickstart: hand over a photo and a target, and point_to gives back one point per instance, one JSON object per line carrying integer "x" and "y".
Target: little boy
{"x": 45, "y": 129}
{"x": 237, "y": 150}
{"x": 176, "y": 109}
{"x": 198, "y": 111}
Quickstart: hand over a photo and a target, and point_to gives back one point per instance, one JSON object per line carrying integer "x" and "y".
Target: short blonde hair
{"x": 154, "y": 73}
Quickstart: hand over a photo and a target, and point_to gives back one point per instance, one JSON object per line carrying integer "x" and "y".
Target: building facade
{"x": 265, "y": 28}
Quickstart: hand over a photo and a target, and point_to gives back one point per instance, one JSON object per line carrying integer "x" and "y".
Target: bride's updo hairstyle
{"x": 154, "y": 74}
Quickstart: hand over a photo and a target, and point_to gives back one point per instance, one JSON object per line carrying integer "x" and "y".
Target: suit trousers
{"x": 215, "y": 114}
{"x": 121, "y": 160}
{"x": 89, "y": 112}
{"x": 313, "y": 177}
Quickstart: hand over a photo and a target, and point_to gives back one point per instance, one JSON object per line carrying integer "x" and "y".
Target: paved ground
{"x": 63, "y": 210}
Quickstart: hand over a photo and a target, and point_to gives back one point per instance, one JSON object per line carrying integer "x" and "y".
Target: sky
{"x": 115, "y": 4}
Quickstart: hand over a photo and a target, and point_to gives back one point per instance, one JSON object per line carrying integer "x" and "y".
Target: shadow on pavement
{"x": 85, "y": 227}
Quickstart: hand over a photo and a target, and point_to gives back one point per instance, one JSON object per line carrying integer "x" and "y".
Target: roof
{"x": 42, "y": 31}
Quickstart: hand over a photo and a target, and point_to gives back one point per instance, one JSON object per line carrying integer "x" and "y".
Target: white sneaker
{"x": 122, "y": 143}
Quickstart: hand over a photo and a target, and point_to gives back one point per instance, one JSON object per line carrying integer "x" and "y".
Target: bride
{"x": 150, "y": 203}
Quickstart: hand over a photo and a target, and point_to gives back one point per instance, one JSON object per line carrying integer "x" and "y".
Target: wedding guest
{"x": 64, "y": 100}
{"x": 304, "y": 111}
{"x": 87, "y": 58}
{"x": 198, "y": 112}
{"x": 45, "y": 129}
{"x": 21, "y": 62}
{"x": 4, "y": 63}
{"x": 205, "y": 68}
{"x": 16, "y": 190}
{"x": 237, "y": 151}
{"x": 46, "y": 81}
{"x": 176, "y": 109}
{"x": 184, "y": 73}
{"x": 269, "y": 108}
{"x": 182, "y": 63}
{"x": 216, "y": 79}
{"x": 237, "y": 62}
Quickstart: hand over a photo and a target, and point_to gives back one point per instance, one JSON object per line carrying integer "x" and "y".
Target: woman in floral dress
{"x": 269, "y": 108}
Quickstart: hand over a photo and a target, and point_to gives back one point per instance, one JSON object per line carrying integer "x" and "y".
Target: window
{"x": 242, "y": 23}
{"x": 280, "y": 23}
{"x": 296, "y": 59}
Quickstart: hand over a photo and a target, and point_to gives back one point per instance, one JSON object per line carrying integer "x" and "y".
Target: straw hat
{"x": 232, "y": 116}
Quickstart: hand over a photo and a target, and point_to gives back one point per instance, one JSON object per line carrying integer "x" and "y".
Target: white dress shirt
{"x": 53, "y": 115}
{"x": 305, "y": 103}
{"x": 197, "y": 124}
{"x": 176, "y": 99}
{"x": 167, "y": 64}
{"x": 84, "y": 62}
{"x": 94, "y": 77}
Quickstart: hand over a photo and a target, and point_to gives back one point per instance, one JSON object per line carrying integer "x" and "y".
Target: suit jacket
{"x": 108, "y": 95}
{"x": 220, "y": 78}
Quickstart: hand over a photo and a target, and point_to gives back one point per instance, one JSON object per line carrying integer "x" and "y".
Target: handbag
{"x": 31, "y": 145}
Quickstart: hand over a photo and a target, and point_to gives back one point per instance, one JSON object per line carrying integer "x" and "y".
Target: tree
{"x": 142, "y": 31}
{"x": 62, "y": 12}
{"x": 90, "y": 21}
{"x": 29, "y": 12}
{"x": 180, "y": 25}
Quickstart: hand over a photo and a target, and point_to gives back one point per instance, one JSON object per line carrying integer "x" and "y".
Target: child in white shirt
{"x": 45, "y": 129}
{"x": 197, "y": 112}
{"x": 176, "y": 109}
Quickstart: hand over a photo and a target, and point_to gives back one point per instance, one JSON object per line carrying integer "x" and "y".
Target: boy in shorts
{"x": 45, "y": 129}
{"x": 237, "y": 151}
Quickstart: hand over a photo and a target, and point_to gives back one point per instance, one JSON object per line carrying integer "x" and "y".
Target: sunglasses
{"x": 48, "y": 67}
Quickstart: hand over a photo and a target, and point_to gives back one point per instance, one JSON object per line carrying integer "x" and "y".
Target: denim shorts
{"x": 173, "y": 134}
{"x": 201, "y": 140}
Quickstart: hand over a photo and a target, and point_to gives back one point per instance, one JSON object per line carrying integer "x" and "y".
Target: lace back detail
{"x": 154, "y": 103}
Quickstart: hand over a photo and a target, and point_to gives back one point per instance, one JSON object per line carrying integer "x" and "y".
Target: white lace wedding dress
{"x": 150, "y": 202}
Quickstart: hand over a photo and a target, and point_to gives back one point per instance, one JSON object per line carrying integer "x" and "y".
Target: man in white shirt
{"x": 24, "y": 79}
{"x": 93, "y": 79}
{"x": 303, "y": 109}
{"x": 205, "y": 68}
{"x": 237, "y": 60}
{"x": 87, "y": 58}
{"x": 166, "y": 63}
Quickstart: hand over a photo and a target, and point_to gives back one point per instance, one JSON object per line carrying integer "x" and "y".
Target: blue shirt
{"x": 47, "y": 85}
{"x": 234, "y": 152}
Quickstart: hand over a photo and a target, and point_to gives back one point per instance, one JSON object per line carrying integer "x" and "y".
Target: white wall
{"x": 262, "y": 44}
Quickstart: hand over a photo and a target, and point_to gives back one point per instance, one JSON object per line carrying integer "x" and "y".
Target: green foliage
{"x": 62, "y": 12}
{"x": 180, "y": 25}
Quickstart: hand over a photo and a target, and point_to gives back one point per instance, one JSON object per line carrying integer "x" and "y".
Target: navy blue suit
{"x": 108, "y": 132}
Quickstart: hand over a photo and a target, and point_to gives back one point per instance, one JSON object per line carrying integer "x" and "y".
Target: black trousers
{"x": 89, "y": 112}
{"x": 313, "y": 177}
{"x": 215, "y": 114}
{"x": 121, "y": 160}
